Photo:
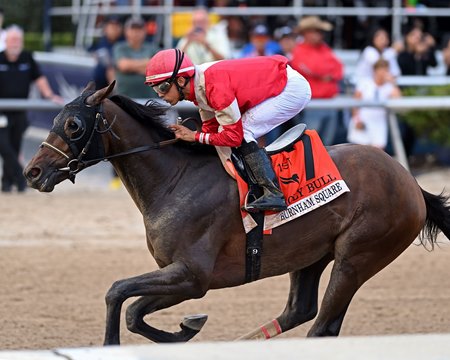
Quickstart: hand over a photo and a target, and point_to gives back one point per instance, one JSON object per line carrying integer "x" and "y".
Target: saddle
{"x": 285, "y": 142}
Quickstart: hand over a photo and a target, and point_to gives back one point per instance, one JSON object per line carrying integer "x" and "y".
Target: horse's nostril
{"x": 33, "y": 173}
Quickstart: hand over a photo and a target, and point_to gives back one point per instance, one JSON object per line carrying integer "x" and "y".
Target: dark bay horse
{"x": 194, "y": 229}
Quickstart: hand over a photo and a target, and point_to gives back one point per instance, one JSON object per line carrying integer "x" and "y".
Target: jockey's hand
{"x": 182, "y": 132}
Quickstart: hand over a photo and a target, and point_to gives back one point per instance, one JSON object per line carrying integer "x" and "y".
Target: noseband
{"x": 81, "y": 146}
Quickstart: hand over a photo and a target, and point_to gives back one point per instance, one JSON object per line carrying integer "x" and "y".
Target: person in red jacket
{"x": 239, "y": 101}
{"x": 316, "y": 61}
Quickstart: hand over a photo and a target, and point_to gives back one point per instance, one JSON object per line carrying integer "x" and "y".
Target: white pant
{"x": 276, "y": 110}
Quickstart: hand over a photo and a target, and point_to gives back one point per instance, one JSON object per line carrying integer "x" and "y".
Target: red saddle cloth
{"x": 308, "y": 178}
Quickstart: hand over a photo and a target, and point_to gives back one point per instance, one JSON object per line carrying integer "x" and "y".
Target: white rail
{"x": 393, "y": 106}
{"x": 340, "y": 102}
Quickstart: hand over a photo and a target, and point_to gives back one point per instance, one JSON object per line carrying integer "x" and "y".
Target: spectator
{"x": 103, "y": 51}
{"x": 446, "y": 56}
{"x": 130, "y": 58}
{"x": 287, "y": 40}
{"x": 315, "y": 60}
{"x": 205, "y": 43}
{"x": 378, "y": 48}
{"x": 260, "y": 43}
{"x": 369, "y": 125}
{"x": 18, "y": 70}
{"x": 418, "y": 54}
{"x": 236, "y": 34}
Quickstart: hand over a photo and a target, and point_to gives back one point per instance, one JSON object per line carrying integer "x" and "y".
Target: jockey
{"x": 239, "y": 101}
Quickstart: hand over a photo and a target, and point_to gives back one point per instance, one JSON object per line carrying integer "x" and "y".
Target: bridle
{"x": 79, "y": 162}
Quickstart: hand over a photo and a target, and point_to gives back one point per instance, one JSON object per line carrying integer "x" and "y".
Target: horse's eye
{"x": 75, "y": 127}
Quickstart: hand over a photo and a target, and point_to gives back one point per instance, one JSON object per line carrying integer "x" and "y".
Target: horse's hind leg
{"x": 357, "y": 259}
{"x": 145, "y": 305}
{"x": 301, "y": 305}
{"x": 340, "y": 291}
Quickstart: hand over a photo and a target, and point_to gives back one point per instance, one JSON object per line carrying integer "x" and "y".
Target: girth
{"x": 254, "y": 238}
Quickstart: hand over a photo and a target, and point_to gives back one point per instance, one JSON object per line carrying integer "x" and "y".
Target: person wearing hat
{"x": 260, "y": 43}
{"x": 316, "y": 61}
{"x": 130, "y": 59}
{"x": 287, "y": 40}
{"x": 103, "y": 53}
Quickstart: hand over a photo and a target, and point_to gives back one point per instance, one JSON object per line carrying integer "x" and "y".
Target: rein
{"x": 75, "y": 165}
{"x": 154, "y": 146}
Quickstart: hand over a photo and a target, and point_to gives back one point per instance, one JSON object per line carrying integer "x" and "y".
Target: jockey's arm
{"x": 231, "y": 132}
{"x": 229, "y": 119}
{"x": 231, "y": 135}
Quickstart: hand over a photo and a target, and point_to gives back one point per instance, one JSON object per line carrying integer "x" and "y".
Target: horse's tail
{"x": 438, "y": 216}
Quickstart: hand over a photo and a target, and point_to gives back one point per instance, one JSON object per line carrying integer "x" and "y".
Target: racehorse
{"x": 194, "y": 230}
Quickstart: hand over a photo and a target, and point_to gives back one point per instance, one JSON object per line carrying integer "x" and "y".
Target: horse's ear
{"x": 97, "y": 97}
{"x": 89, "y": 87}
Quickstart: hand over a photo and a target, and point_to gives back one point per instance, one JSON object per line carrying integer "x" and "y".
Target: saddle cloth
{"x": 308, "y": 178}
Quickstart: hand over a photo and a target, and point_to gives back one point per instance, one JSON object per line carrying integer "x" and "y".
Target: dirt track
{"x": 60, "y": 252}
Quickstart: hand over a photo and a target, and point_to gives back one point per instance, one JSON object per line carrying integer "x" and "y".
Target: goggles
{"x": 162, "y": 88}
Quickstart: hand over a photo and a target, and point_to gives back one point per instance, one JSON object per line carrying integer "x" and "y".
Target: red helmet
{"x": 168, "y": 64}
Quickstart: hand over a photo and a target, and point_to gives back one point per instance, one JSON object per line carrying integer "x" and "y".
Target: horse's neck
{"x": 157, "y": 176}
{"x": 149, "y": 178}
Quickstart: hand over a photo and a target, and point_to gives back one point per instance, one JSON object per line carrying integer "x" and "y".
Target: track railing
{"x": 393, "y": 106}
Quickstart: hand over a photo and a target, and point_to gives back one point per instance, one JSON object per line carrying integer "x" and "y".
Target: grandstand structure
{"x": 85, "y": 13}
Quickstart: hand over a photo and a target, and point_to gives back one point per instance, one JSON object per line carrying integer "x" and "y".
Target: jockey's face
{"x": 173, "y": 96}
{"x": 170, "y": 96}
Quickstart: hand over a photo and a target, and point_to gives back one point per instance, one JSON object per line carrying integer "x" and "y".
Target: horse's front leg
{"x": 190, "y": 326}
{"x": 174, "y": 283}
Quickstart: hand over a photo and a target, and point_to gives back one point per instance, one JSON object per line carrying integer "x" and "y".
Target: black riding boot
{"x": 263, "y": 174}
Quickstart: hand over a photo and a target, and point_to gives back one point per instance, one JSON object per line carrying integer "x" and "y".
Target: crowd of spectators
{"x": 307, "y": 43}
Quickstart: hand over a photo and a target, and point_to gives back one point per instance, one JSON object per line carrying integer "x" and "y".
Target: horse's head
{"x": 71, "y": 140}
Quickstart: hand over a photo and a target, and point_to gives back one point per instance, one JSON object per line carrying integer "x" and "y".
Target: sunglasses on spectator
{"x": 162, "y": 88}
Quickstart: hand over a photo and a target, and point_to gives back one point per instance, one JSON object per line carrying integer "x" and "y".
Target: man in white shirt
{"x": 205, "y": 43}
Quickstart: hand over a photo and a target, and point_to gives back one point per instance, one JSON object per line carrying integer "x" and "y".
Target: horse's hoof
{"x": 194, "y": 322}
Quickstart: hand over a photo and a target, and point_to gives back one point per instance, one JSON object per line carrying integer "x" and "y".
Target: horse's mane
{"x": 151, "y": 114}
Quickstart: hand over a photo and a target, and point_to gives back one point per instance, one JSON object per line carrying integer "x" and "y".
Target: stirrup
{"x": 244, "y": 207}
{"x": 254, "y": 206}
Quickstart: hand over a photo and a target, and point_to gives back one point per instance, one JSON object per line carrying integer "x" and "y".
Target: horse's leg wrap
{"x": 301, "y": 305}
{"x": 261, "y": 170}
{"x": 266, "y": 331}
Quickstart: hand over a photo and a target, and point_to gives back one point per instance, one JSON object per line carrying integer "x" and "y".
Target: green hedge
{"x": 35, "y": 41}
{"x": 433, "y": 124}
